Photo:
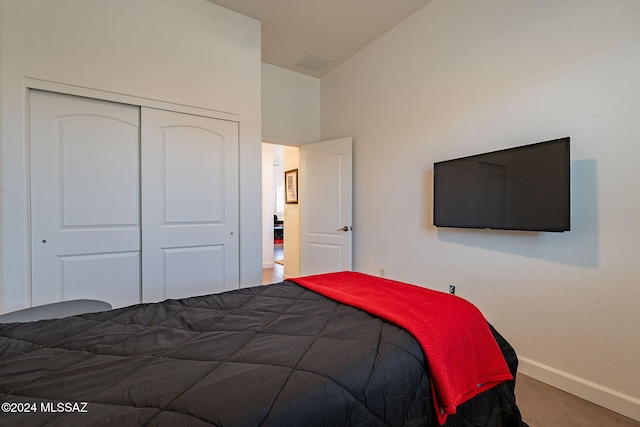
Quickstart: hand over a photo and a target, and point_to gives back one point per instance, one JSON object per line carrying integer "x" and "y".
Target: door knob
{"x": 345, "y": 228}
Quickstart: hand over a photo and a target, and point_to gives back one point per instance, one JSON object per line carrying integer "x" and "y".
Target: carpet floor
{"x": 544, "y": 406}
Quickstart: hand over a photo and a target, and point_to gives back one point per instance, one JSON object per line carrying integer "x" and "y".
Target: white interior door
{"x": 190, "y": 240}
{"x": 325, "y": 198}
{"x": 85, "y": 218}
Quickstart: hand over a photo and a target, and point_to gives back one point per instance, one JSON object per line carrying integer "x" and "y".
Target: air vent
{"x": 313, "y": 61}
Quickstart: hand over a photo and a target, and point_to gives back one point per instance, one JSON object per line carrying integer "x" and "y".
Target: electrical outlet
{"x": 452, "y": 289}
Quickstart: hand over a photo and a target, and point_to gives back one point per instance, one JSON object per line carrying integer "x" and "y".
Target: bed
{"x": 277, "y": 355}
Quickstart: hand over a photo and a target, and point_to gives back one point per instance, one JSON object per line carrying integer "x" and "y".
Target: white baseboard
{"x": 618, "y": 402}
{"x": 267, "y": 265}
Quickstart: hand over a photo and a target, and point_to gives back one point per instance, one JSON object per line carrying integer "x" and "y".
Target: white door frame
{"x": 291, "y": 248}
{"x": 102, "y": 95}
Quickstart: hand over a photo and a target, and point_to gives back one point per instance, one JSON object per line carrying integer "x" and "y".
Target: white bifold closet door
{"x": 85, "y": 209}
{"x": 127, "y": 208}
{"x": 190, "y": 240}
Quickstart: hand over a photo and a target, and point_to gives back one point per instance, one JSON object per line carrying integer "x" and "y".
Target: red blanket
{"x": 463, "y": 356}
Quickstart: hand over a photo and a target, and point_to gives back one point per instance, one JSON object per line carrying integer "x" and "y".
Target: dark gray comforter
{"x": 274, "y": 355}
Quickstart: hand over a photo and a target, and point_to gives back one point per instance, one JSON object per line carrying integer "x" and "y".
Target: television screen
{"x": 521, "y": 188}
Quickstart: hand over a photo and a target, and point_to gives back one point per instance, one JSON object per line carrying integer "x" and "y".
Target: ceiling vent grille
{"x": 313, "y": 61}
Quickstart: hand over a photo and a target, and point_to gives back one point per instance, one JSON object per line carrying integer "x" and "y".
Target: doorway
{"x": 280, "y": 220}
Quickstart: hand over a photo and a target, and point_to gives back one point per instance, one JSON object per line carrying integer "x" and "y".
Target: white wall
{"x": 290, "y": 106}
{"x": 460, "y": 78}
{"x": 187, "y": 52}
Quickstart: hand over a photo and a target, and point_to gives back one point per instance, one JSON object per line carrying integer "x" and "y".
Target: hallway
{"x": 275, "y": 274}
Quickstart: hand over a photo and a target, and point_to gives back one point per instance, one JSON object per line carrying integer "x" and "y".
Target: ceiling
{"x": 321, "y": 31}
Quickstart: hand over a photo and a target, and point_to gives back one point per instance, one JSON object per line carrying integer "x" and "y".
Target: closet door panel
{"x": 117, "y": 272}
{"x": 194, "y": 176}
{"x": 85, "y": 216}
{"x": 99, "y": 174}
{"x": 182, "y": 280}
{"x": 189, "y": 205}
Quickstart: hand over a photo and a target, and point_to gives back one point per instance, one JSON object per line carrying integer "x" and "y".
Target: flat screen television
{"x": 521, "y": 188}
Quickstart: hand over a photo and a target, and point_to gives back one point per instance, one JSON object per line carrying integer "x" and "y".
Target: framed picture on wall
{"x": 291, "y": 185}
